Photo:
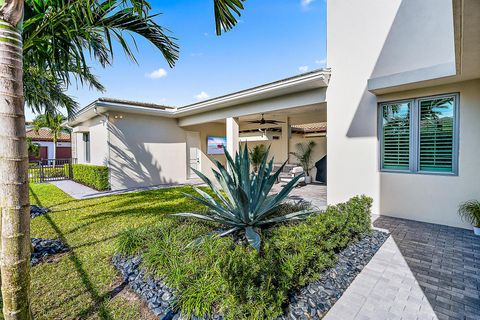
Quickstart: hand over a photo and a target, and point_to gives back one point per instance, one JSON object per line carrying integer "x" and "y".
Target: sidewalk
{"x": 79, "y": 191}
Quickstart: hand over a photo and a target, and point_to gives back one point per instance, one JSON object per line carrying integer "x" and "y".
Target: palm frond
{"x": 62, "y": 37}
{"x": 225, "y": 12}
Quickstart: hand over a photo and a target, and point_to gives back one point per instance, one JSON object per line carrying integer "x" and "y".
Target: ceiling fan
{"x": 265, "y": 121}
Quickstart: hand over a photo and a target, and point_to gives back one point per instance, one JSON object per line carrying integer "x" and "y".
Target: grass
{"x": 80, "y": 284}
{"x": 212, "y": 275}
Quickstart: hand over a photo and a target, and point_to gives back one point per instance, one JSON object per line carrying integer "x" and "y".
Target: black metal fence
{"x": 50, "y": 170}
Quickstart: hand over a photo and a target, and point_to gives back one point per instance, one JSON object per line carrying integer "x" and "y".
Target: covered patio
{"x": 279, "y": 115}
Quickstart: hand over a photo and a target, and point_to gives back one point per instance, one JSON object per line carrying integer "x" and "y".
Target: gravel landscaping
{"x": 43, "y": 248}
{"x": 311, "y": 302}
{"x": 36, "y": 211}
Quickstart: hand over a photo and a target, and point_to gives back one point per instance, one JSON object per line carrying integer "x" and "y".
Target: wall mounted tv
{"x": 215, "y": 145}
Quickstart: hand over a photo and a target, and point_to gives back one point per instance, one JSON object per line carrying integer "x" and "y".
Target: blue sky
{"x": 274, "y": 39}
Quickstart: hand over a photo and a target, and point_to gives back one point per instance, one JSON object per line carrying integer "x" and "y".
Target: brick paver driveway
{"x": 444, "y": 260}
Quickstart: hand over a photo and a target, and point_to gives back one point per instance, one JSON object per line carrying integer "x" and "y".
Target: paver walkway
{"x": 423, "y": 271}
{"x": 314, "y": 193}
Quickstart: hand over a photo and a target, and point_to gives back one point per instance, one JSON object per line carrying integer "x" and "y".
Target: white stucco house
{"x": 400, "y": 100}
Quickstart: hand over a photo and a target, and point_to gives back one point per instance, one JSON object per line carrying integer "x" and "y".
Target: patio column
{"x": 285, "y": 139}
{"x": 232, "y": 135}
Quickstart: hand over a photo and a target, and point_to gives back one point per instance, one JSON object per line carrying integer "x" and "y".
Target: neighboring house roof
{"x": 45, "y": 134}
{"x": 299, "y": 83}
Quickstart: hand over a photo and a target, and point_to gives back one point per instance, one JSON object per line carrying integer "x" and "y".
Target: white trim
{"x": 304, "y": 82}
{"x": 390, "y": 82}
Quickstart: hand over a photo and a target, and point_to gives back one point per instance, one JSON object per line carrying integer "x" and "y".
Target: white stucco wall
{"x": 434, "y": 198}
{"x": 98, "y": 142}
{"x": 49, "y": 145}
{"x": 145, "y": 151}
{"x": 376, "y": 38}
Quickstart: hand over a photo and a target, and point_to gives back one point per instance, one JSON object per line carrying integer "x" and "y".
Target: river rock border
{"x": 36, "y": 211}
{"x": 311, "y": 302}
{"x": 44, "y": 248}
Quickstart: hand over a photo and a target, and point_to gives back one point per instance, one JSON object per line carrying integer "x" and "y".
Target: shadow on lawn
{"x": 99, "y": 300}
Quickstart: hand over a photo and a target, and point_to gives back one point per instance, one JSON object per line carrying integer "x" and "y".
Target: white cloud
{"x": 303, "y": 68}
{"x": 202, "y": 96}
{"x": 321, "y": 62}
{"x": 196, "y": 54}
{"x": 306, "y": 3}
{"x": 157, "y": 74}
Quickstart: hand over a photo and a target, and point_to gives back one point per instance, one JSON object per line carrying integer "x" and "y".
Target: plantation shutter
{"x": 436, "y": 145}
{"x": 396, "y": 136}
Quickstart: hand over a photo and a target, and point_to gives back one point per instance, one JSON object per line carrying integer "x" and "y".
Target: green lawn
{"x": 79, "y": 284}
{"x": 214, "y": 275}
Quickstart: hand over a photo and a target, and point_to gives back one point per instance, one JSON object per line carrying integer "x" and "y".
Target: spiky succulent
{"x": 245, "y": 203}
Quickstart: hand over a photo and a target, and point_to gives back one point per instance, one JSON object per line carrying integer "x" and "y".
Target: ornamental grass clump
{"x": 244, "y": 202}
{"x": 469, "y": 211}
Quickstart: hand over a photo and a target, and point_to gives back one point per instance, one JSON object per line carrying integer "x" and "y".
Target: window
{"x": 396, "y": 136}
{"x": 86, "y": 140}
{"x": 420, "y": 135}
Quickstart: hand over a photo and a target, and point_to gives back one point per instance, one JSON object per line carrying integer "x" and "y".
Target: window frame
{"x": 86, "y": 145}
{"x": 414, "y": 146}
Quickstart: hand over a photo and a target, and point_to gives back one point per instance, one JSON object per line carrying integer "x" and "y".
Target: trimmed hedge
{"x": 218, "y": 275}
{"x": 95, "y": 177}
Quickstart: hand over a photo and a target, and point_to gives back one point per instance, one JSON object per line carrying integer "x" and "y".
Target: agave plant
{"x": 245, "y": 203}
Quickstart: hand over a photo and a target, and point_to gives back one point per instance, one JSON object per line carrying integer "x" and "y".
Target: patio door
{"x": 193, "y": 153}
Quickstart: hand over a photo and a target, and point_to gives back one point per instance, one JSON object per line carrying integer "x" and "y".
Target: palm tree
{"x": 256, "y": 155}
{"x": 57, "y": 36}
{"x": 54, "y": 124}
{"x": 304, "y": 155}
{"x": 33, "y": 148}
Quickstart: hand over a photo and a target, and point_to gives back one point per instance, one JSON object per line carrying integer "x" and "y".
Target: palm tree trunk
{"x": 54, "y": 151}
{"x": 14, "y": 202}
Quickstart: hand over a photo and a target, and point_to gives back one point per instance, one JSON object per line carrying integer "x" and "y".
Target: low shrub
{"x": 95, "y": 177}
{"x": 219, "y": 275}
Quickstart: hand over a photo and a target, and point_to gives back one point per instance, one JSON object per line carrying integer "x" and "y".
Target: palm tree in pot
{"x": 304, "y": 155}
{"x": 469, "y": 211}
{"x": 256, "y": 155}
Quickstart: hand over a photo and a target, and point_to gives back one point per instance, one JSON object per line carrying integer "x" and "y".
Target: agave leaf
{"x": 225, "y": 211}
{"x": 245, "y": 170}
{"x": 269, "y": 206}
{"x": 300, "y": 215}
{"x": 225, "y": 187}
{"x": 193, "y": 215}
{"x": 244, "y": 204}
{"x": 226, "y": 233}
{"x": 264, "y": 187}
{"x": 214, "y": 188}
{"x": 253, "y": 238}
{"x": 218, "y": 210}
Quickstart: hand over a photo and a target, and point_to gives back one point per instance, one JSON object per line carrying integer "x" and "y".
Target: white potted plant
{"x": 304, "y": 155}
{"x": 469, "y": 211}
